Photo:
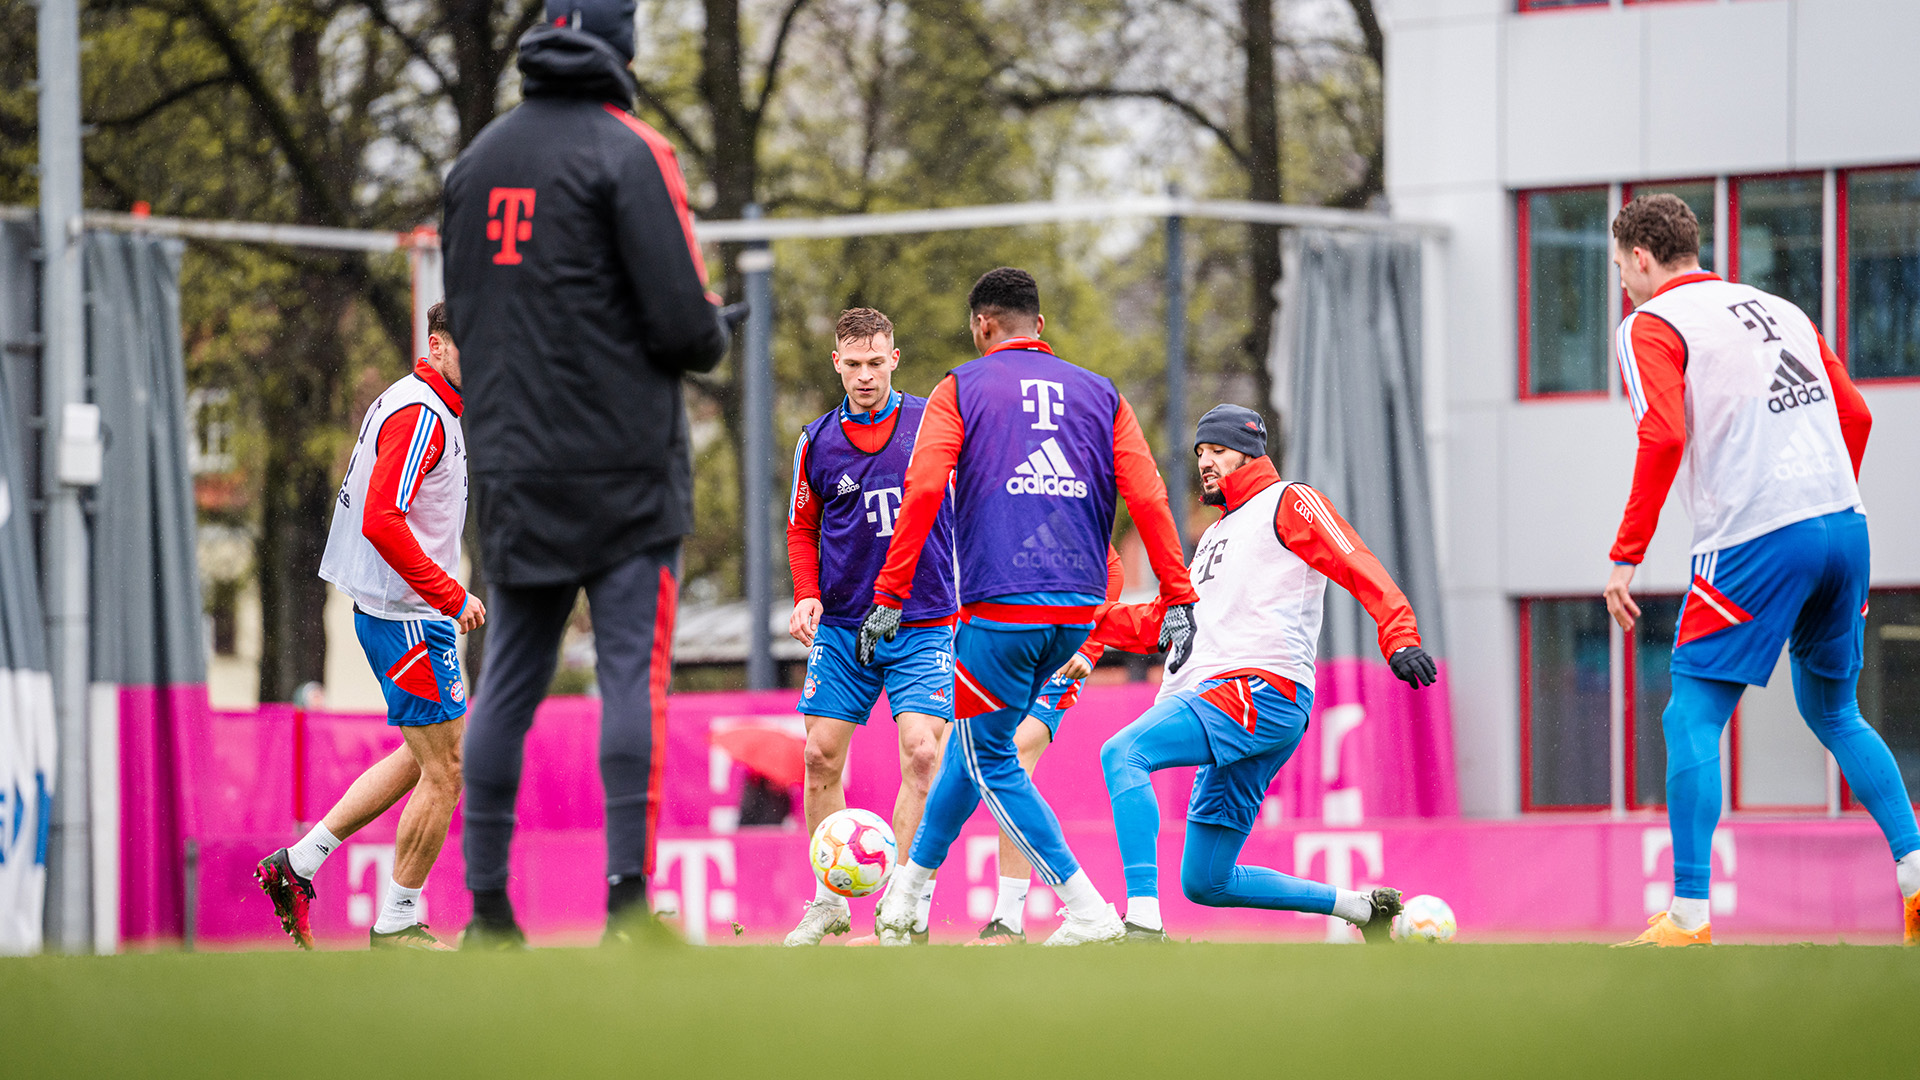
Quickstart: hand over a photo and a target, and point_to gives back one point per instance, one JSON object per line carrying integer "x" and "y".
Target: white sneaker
{"x": 822, "y": 917}
{"x": 1100, "y": 929}
{"x": 893, "y": 919}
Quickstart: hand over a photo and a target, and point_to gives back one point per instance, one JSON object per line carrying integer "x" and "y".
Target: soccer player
{"x": 1239, "y": 705}
{"x": 1030, "y": 740}
{"x": 1737, "y": 385}
{"x": 848, "y": 471}
{"x": 1037, "y": 449}
{"x": 393, "y": 548}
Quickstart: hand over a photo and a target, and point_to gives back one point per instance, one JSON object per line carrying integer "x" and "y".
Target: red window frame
{"x": 1537, "y": 6}
{"x": 1732, "y": 270}
{"x": 1843, "y": 304}
{"x": 1523, "y": 233}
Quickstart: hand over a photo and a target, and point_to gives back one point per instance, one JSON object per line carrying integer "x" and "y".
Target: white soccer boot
{"x": 822, "y": 917}
{"x": 1103, "y": 928}
{"x": 893, "y": 919}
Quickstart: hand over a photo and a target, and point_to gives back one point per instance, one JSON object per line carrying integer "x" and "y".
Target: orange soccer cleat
{"x": 1913, "y": 919}
{"x": 1663, "y": 932}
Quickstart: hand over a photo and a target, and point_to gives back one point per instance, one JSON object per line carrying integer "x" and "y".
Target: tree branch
{"x": 1032, "y": 100}
{"x": 172, "y": 97}
{"x": 414, "y": 46}
{"x": 771, "y": 79}
{"x": 681, "y": 132}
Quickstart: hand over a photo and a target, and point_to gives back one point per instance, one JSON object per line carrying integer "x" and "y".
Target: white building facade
{"x": 1791, "y": 127}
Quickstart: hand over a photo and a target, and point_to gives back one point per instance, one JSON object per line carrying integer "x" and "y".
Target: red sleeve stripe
{"x": 411, "y": 474}
{"x": 1629, "y": 366}
{"x": 1324, "y": 514}
{"x": 669, "y": 162}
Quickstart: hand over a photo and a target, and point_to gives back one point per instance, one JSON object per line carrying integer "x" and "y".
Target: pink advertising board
{"x": 1368, "y": 799}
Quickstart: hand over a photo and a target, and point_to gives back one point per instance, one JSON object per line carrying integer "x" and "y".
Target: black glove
{"x": 735, "y": 314}
{"x": 1176, "y": 636}
{"x": 880, "y": 625}
{"x": 1412, "y": 665}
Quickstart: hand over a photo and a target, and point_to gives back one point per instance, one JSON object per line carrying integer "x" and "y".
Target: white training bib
{"x": 437, "y": 516}
{"x": 1764, "y": 447}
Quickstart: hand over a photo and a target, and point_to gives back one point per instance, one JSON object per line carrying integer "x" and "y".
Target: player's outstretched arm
{"x": 1653, "y": 371}
{"x": 1138, "y": 477}
{"x": 1310, "y": 528}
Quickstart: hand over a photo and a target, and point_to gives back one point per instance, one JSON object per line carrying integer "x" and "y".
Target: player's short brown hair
{"x": 862, "y": 324}
{"x": 1663, "y": 224}
{"x": 437, "y": 319}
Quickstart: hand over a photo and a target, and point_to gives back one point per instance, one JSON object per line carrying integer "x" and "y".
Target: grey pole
{"x": 756, "y": 263}
{"x": 63, "y": 549}
{"x": 1179, "y": 467}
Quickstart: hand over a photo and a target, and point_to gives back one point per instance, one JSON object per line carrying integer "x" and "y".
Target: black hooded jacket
{"x": 577, "y": 299}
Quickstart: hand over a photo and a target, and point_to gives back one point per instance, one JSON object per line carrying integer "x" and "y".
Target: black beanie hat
{"x": 609, "y": 20}
{"x": 1233, "y": 427}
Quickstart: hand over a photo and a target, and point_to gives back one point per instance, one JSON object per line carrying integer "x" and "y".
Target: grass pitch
{"x": 1177, "y": 1010}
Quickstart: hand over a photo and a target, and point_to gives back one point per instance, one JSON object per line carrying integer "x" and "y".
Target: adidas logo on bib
{"x": 847, "y": 486}
{"x": 1046, "y": 472}
{"x": 1793, "y": 385}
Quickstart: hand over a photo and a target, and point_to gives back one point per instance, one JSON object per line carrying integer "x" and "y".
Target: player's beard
{"x": 1214, "y": 496}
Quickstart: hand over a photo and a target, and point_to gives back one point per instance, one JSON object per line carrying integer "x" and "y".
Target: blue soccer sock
{"x": 1210, "y": 875}
{"x": 1167, "y": 735}
{"x": 1832, "y": 709}
{"x": 1696, "y": 714}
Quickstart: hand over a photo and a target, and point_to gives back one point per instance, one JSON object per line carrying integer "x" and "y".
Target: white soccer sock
{"x": 399, "y": 909}
{"x": 1144, "y": 912}
{"x": 1082, "y": 899}
{"x": 923, "y": 906}
{"x": 1010, "y": 909}
{"x": 912, "y": 877}
{"x": 1908, "y": 870}
{"x": 312, "y": 850}
{"x": 1355, "y": 907}
{"x": 821, "y": 892}
{"x": 1687, "y": 913}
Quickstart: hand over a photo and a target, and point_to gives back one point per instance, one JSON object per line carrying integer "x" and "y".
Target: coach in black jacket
{"x": 578, "y": 297}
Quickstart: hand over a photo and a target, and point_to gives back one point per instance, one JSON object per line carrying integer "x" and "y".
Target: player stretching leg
{"x": 393, "y": 548}
{"x": 1037, "y": 450}
{"x": 1739, "y": 385}
{"x": 1030, "y": 740}
{"x": 848, "y": 472}
{"x": 1240, "y": 704}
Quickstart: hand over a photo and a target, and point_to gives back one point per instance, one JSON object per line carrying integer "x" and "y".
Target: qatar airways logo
{"x": 1046, "y": 472}
{"x": 884, "y": 507}
{"x": 1046, "y": 400}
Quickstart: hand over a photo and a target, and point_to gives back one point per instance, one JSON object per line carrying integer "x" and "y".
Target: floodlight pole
{"x": 1178, "y": 462}
{"x": 756, "y": 264}
{"x": 65, "y": 444}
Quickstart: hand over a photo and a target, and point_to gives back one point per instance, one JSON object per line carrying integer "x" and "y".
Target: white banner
{"x": 26, "y": 802}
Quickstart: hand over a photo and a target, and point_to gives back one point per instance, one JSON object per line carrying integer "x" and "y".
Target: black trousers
{"x": 633, "y": 605}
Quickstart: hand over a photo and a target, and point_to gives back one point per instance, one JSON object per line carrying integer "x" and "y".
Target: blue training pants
{"x": 1006, "y": 668}
{"x": 1697, "y": 712}
{"x": 1169, "y": 735}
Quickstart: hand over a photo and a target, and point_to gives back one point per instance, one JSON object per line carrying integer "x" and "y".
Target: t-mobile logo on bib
{"x": 508, "y": 209}
{"x": 884, "y": 504}
{"x": 1044, "y": 399}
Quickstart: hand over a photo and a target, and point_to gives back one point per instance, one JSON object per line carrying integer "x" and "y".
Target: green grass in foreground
{"x": 1177, "y": 1010}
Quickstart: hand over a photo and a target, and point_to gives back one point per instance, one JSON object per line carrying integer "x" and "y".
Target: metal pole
{"x": 756, "y": 262}
{"x": 63, "y": 550}
{"x": 1179, "y": 462}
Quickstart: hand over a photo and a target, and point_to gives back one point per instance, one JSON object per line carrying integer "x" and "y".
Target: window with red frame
{"x": 1879, "y": 332}
{"x": 1697, "y": 194}
{"x": 1552, "y": 5}
{"x": 1777, "y": 236}
{"x": 1564, "y": 321}
{"x": 1890, "y": 679}
{"x": 1565, "y": 703}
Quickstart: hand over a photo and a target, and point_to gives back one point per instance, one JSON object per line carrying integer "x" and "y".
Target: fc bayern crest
{"x": 458, "y": 691}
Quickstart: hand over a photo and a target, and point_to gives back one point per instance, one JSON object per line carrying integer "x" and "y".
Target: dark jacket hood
{"x": 558, "y": 62}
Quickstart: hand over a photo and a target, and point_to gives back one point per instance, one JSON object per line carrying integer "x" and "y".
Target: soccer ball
{"x": 853, "y": 852}
{"x": 1424, "y": 918}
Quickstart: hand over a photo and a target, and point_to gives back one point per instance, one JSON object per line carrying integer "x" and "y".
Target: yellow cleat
{"x": 1663, "y": 932}
{"x": 1913, "y": 919}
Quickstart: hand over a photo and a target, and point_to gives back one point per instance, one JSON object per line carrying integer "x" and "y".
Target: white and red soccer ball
{"x": 854, "y": 852}
{"x": 1424, "y": 918}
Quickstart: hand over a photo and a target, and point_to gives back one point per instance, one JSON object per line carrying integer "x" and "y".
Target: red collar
{"x": 1247, "y": 481}
{"x": 1686, "y": 279}
{"x": 1032, "y": 344}
{"x": 425, "y": 372}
